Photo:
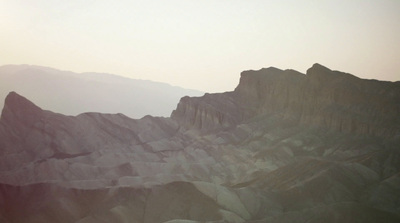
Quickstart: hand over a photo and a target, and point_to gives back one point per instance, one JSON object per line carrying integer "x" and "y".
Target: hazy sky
{"x": 202, "y": 44}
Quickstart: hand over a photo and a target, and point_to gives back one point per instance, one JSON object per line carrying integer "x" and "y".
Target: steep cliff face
{"x": 347, "y": 103}
{"x": 208, "y": 112}
{"x": 322, "y": 97}
{"x": 282, "y": 147}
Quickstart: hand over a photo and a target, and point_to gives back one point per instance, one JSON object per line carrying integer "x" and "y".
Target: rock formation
{"x": 282, "y": 147}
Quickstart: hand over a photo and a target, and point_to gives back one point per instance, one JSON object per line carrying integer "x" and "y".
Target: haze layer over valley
{"x": 281, "y": 147}
{"x": 74, "y": 93}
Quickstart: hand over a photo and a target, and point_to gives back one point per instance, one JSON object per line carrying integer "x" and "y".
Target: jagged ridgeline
{"x": 282, "y": 147}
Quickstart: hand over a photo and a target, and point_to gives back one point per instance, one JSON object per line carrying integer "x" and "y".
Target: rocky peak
{"x": 268, "y": 84}
{"x": 323, "y": 76}
{"x": 318, "y": 69}
{"x": 18, "y": 108}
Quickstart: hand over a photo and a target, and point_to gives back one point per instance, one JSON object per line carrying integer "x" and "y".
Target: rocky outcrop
{"x": 322, "y": 97}
{"x": 347, "y": 103}
{"x": 282, "y": 147}
{"x": 208, "y": 112}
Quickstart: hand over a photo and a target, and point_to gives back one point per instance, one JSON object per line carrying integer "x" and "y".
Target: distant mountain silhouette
{"x": 74, "y": 93}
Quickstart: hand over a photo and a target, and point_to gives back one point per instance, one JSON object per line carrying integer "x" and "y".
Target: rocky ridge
{"x": 282, "y": 147}
{"x": 321, "y": 97}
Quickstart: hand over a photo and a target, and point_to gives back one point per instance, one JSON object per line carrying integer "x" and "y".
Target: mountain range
{"x": 283, "y": 146}
{"x": 72, "y": 93}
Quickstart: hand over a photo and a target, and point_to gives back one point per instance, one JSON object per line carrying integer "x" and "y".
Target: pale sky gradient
{"x": 202, "y": 44}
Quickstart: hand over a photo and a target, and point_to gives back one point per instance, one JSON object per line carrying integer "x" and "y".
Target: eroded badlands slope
{"x": 282, "y": 147}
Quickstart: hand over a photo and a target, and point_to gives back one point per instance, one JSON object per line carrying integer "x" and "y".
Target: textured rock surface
{"x": 282, "y": 147}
